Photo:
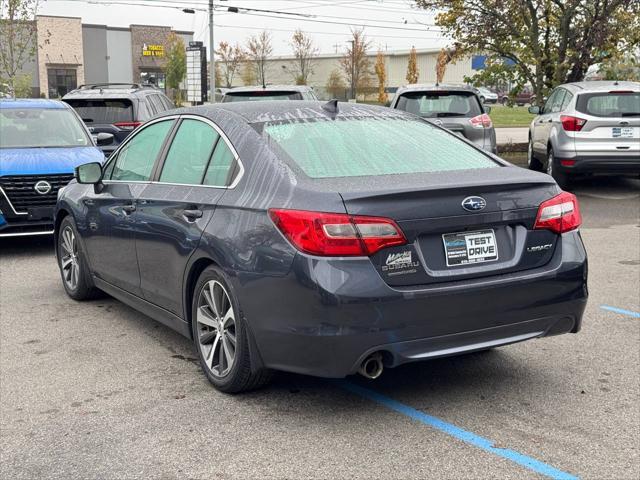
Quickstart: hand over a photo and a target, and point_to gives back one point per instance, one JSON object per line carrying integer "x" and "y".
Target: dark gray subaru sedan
{"x": 324, "y": 239}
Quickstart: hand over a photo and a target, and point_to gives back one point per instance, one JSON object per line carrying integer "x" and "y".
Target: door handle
{"x": 549, "y": 121}
{"x": 128, "y": 209}
{"x": 192, "y": 214}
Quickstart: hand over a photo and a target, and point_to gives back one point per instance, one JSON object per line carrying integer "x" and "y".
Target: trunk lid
{"x": 445, "y": 241}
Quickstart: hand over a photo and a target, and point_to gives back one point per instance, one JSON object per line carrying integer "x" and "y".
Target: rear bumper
{"x": 605, "y": 164}
{"x": 327, "y": 315}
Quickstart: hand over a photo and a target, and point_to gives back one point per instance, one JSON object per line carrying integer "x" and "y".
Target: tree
{"x": 248, "y": 73}
{"x": 355, "y": 64}
{"x": 626, "y": 67}
{"x": 335, "y": 84}
{"x": 381, "y": 72}
{"x": 232, "y": 58}
{"x": 176, "y": 67}
{"x": 412, "y": 67}
{"x": 17, "y": 38}
{"x": 304, "y": 52}
{"x": 540, "y": 42}
{"x": 259, "y": 50}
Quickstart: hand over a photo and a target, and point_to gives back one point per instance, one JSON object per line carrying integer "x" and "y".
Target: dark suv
{"x": 116, "y": 108}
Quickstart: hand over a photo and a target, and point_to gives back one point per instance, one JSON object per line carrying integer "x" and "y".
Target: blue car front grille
{"x": 21, "y": 193}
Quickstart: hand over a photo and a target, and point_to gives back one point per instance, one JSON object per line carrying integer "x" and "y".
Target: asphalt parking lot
{"x": 97, "y": 390}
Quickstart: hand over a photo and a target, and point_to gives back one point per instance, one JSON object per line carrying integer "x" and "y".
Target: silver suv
{"x": 586, "y": 128}
{"x": 456, "y": 108}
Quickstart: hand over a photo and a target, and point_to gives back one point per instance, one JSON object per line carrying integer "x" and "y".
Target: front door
{"x": 543, "y": 123}
{"x": 112, "y": 208}
{"x": 175, "y": 210}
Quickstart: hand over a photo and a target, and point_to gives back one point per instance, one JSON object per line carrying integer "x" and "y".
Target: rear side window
{"x": 440, "y": 104}
{"x": 136, "y": 159}
{"x": 189, "y": 153}
{"x": 372, "y": 146}
{"x": 103, "y": 111}
{"x": 260, "y": 95}
{"x": 220, "y": 166}
{"x": 609, "y": 104}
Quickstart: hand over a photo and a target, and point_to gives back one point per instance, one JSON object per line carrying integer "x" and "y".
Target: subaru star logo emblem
{"x": 437, "y": 122}
{"x": 42, "y": 187}
{"x": 473, "y": 204}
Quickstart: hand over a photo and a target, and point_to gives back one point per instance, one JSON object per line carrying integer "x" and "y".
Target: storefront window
{"x": 153, "y": 78}
{"x": 61, "y": 81}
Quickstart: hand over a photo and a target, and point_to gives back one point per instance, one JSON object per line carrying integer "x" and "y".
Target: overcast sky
{"x": 390, "y": 24}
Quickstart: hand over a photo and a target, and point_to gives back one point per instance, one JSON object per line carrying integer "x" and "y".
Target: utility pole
{"x": 353, "y": 69}
{"x": 212, "y": 60}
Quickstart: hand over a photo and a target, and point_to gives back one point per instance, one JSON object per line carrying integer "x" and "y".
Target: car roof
{"x": 427, "y": 87}
{"x": 32, "y": 103}
{"x": 280, "y": 110}
{"x": 602, "y": 85}
{"x": 270, "y": 88}
{"x": 114, "y": 90}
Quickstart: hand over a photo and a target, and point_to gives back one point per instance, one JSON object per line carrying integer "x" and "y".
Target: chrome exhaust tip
{"x": 371, "y": 367}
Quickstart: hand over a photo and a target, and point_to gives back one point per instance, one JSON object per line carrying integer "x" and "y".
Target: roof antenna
{"x": 331, "y": 106}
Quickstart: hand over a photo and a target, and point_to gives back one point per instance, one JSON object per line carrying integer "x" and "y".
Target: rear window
{"x": 440, "y": 104}
{"x": 325, "y": 148}
{"x": 609, "y": 104}
{"x": 103, "y": 111}
{"x": 260, "y": 96}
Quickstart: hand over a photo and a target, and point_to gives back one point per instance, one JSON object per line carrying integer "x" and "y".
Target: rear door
{"x": 544, "y": 121}
{"x": 612, "y": 123}
{"x": 174, "y": 210}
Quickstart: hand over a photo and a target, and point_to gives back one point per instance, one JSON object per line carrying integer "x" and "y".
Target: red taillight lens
{"x": 559, "y": 214}
{"x": 127, "y": 125}
{"x": 572, "y": 124}
{"x": 336, "y": 234}
{"x": 481, "y": 121}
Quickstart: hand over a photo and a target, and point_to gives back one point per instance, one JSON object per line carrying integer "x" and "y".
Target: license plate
{"x": 622, "y": 132}
{"x": 40, "y": 213}
{"x": 466, "y": 248}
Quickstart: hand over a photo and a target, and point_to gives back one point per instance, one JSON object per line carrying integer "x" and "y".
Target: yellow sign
{"x": 152, "y": 50}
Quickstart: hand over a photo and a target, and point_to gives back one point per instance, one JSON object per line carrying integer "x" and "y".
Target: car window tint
{"x": 556, "y": 104}
{"x": 372, "y": 146}
{"x": 189, "y": 153}
{"x": 440, "y": 104}
{"x": 221, "y": 162}
{"x": 567, "y": 99}
{"x": 103, "y": 111}
{"x": 609, "y": 104}
{"x": 260, "y": 95}
{"x": 135, "y": 160}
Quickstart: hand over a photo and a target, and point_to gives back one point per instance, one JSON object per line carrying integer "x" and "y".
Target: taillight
{"x": 572, "y": 124}
{"x": 559, "y": 214}
{"x": 127, "y": 125}
{"x": 481, "y": 121}
{"x": 336, "y": 234}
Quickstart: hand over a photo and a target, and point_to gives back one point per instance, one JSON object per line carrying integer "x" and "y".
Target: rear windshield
{"x": 325, "y": 148}
{"x": 260, "y": 95}
{"x": 609, "y": 104}
{"x": 41, "y": 127}
{"x": 103, "y": 111}
{"x": 440, "y": 104}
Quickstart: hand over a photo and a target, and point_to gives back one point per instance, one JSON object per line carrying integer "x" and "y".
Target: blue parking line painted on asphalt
{"x": 459, "y": 433}
{"x": 621, "y": 311}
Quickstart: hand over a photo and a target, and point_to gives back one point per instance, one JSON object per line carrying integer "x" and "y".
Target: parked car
{"x": 220, "y": 93}
{"x": 41, "y": 142}
{"x": 587, "y": 128}
{"x": 270, "y": 92}
{"x": 486, "y": 95}
{"x": 523, "y": 97}
{"x": 323, "y": 239}
{"x": 455, "y": 108}
{"x": 117, "y": 108}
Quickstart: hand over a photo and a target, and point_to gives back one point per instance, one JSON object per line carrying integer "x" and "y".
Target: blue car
{"x": 41, "y": 142}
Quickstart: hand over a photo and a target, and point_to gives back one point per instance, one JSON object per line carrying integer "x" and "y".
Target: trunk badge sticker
{"x": 400, "y": 263}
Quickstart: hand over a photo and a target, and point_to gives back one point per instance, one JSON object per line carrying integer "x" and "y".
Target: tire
{"x": 72, "y": 261}
{"x": 561, "y": 178}
{"x": 505, "y": 101}
{"x": 532, "y": 162}
{"x": 221, "y": 336}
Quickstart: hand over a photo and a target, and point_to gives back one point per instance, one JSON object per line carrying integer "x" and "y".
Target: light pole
{"x": 353, "y": 69}
{"x": 212, "y": 60}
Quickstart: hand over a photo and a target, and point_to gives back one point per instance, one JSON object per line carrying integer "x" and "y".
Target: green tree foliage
{"x": 547, "y": 42}
{"x": 176, "y": 66}
{"x": 17, "y": 39}
{"x": 381, "y": 72}
{"x": 626, "y": 67}
{"x": 22, "y": 86}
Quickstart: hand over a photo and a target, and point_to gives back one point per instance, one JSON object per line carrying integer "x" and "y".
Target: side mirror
{"x": 89, "y": 173}
{"x": 487, "y": 109}
{"x": 534, "y": 110}
{"x": 388, "y": 104}
{"x": 104, "y": 138}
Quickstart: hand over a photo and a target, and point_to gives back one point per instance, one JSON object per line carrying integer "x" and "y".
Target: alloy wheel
{"x": 550, "y": 164}
{"x": 69, "y": 258}
{"x": 216, "y": 328}
{"x": 529, "y": 153}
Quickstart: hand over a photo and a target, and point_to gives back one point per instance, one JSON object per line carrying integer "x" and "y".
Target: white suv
{"x": 585, "y": 128}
